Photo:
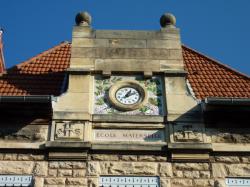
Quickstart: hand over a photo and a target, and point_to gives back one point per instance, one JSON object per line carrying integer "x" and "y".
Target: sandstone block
{"x": 238, "y": 169}
{"x": 203, "y": 183}
{"x": 87, "y": 42}
{"x": 146, "y": 168}
{"x": 170, "y": 34}
{"x": 93, "y": 182}
{"x": 129, "y": 157}
{"x": 146, "y": 158}
{"x": 93, "y": 168}
{"x": 121, "y": 168}
{"x": 165, "y": 182}
{"x": 161, "y": 158}
{"x": 219, "y": 183}
{"x": 227, "y": 159}
{"x": 127, "y": 43}
{"x": 83, "y": 52}
{"x": 41, "y": 169}
{"x": 17, "y": 167}
{"x": 65, "y": 165}
{"x": 181, "y": 183}
{"x": 76, "y": 80}
{"x": 1, "y": 156}
{"x": 79, "y": 173}
{"x": 168, "y": 44}
{"x": 39, "y": 182}
{"x": 178, "y": 173}
{"x": 87, "y": 63}
{"x": 219, "y": 170}
{"x": 205, "y": 174}
{"x": 84, "y": 32}
{"x": 245, "y": 159}
{"x": 53, "y": 165}
{"x": 103, "y": 157}
{"x": 52, "y": 172}
{"x": 26, "y": 157}
{"x": 76, "y": 181}
{"x": 191, "y": 174}
{"x": 64, "y": 172}
{"x": 166, "y": 170}
{"x": 192, "y": 166}
{"x": 54, "y": 181}
{"x": 105, "y": 167}
{"x": 79, "y": 165}
{"x": 10, "y": 157}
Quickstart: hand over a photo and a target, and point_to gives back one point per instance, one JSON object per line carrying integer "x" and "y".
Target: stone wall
{"x": 86, "y": 173}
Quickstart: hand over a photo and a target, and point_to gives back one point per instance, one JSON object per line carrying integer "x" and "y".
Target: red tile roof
{"x": 209, "y": 78}
{"x": 44, "y": 74}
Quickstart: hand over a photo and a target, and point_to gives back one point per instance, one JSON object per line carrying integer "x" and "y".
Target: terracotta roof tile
{"x": 213, "y": 78}
{"x": 44, "y": 74}
{"x": 40, "y": 75}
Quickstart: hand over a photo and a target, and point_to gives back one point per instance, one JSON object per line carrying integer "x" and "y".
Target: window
{"x": 16, "y": 180}
{"x": 237, "y": 182}
{"x": 128, "y": 181}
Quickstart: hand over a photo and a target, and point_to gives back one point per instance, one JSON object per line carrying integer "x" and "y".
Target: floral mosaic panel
{"x": 154, "y": 105}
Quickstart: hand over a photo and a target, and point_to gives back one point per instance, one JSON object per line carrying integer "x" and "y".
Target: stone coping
{"x": 160, "y": 146}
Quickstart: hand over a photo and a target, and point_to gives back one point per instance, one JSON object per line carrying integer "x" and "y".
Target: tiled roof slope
{"x": 209, "y": 78}
{"x": 44, "y": 74}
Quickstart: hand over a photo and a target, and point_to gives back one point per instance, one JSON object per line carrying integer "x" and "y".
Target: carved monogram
{"x": 187, "y": 133}
{"x": 69, "y": 130}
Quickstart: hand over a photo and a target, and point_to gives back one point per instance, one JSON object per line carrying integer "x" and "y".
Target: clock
{"x": 127, "y": 95}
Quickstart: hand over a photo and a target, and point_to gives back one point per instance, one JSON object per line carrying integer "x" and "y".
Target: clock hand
{"x": 133, "y": 93}
{"x": 127, "y": 94}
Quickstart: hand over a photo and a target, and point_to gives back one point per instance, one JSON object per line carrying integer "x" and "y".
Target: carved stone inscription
{"x": 129, "y": 135}
{"x": 69, "y": 130}
{"x": 187, "y": 133}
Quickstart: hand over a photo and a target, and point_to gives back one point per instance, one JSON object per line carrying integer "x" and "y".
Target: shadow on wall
{"x": 222, "y": 124}
{"x": 24, "y": 122}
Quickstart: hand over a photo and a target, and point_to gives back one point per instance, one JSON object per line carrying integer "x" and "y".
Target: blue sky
{"x": 218, "y": 28}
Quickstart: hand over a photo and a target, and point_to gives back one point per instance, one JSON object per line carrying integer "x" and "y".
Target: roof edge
{"x": 26, "y": 99}
{"x": 217, "y": 61}
{"x": 232, "y": 101}
{"x": 41, "y": 54}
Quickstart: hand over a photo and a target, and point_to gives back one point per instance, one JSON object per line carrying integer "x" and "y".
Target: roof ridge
{"x": 41, "y": 54}
{"x": 216, "y": 61}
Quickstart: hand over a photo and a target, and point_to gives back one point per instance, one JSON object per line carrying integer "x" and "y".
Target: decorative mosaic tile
{"x": 154, "y": 105}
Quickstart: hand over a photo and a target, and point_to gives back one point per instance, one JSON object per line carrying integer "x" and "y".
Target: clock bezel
{"x": 127, "y": 107}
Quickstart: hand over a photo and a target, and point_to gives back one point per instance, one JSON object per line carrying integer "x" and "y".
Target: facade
{"x": 124, "y": 108}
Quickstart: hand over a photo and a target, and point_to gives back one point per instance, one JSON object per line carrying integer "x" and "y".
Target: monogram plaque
{"x": 69, "y": 130}
{"x": 187, "y": 133}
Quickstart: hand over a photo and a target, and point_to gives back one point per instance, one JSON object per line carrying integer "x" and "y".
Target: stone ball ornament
{"x": 83, "y": 18}
{"x": 167, "y": 19}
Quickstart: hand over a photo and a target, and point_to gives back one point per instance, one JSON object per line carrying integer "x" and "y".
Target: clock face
{"x": 127, "y": 95}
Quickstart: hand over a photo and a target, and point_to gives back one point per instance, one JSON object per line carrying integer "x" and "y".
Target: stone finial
{"x": 167, "y": 20}
{"x": 83, "y": 18}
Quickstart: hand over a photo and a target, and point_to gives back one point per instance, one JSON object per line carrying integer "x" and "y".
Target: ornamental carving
{"x": 187, "y": 133}
{"x": 69, "y": 130}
